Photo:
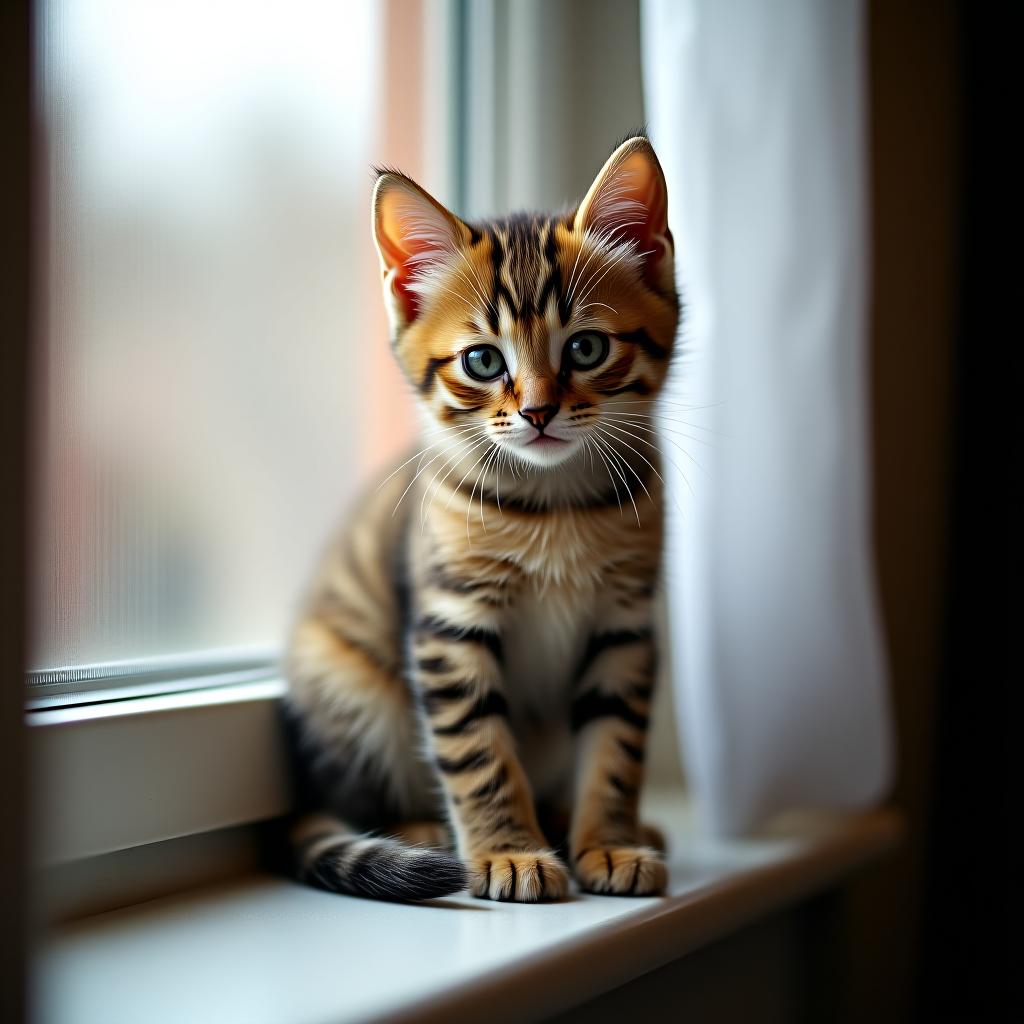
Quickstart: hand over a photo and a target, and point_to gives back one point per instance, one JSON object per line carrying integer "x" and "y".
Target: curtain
{"x": 756, "y": 111}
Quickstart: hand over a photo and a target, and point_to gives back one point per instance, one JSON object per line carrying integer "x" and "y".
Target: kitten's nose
{"x": 539, "y": 416}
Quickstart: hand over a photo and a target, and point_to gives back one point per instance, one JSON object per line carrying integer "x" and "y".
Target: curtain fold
{"x": 756, "y": 111}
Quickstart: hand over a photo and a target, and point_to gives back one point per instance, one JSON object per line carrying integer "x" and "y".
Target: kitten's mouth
{"x": 545, "y": 450}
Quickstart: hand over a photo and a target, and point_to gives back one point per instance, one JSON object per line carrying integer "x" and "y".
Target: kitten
{"x": 479, "y": 637}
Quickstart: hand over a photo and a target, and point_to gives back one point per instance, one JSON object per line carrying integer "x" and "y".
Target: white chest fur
{"x": 543, "y": 643}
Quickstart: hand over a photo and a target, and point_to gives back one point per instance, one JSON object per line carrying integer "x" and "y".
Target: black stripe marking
{"x": 433, "y": 365}
{"x": 386, "y": 870}
{"x": 500, "y": 288}
{"x": 632, "y": 751}
{"x": 365, "y": 867}
{"x": 639, "y": 386}
{"x": 594, "y": 704}
{"x": 335, "y": 847}
{"x": 642, "y": 691}
{"x": 644, "y": 341}
{"x": 440, "y": 664}
{"x": 440, "y": 696}
{"x": 601, "y": 642}
{"x": 491, "y": 786}
{"x": 621, "y": 787}
{"x": 512, "y": 882}
{"x": 437, "y": 577}
{"x": 462, "y": 634}
{"x": 467, "y": 763}
{"x": 455, "y": 410}
{"x": 502, "y": 822}
{"x": 636, "y": 876}
{"x": 502, "y": 804}
{"x": 493, "y": 703}
{"x": 553, "y": 284}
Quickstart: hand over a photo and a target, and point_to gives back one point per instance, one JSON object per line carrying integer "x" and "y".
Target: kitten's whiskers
{"x": 430, "y": 461}
{"x": 616, "y": 459}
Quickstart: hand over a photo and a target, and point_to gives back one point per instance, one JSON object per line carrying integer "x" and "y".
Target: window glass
{"x": 209, "y": 375}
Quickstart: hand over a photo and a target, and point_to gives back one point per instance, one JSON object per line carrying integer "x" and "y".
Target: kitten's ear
{"x": 413, "y": 232}
{"x": 629, "y": 201}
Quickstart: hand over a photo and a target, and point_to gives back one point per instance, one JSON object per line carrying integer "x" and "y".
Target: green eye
{"x": 484, "y": 362}
{"x": 587, "y": 349}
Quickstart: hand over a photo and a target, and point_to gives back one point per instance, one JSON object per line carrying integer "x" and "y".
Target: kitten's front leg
{"x": 458, "y": 671}
{"x": 609, "y": 716}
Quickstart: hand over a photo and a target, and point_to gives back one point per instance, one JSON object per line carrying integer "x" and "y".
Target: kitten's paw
{"x": 621, "y": 870}
{"x": 527, "y": 877}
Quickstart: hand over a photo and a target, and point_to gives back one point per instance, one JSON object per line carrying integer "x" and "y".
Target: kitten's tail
{"x": 329, "y": 854}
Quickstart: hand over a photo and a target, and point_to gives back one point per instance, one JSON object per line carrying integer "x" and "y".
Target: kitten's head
{"x": 527, "y": 331}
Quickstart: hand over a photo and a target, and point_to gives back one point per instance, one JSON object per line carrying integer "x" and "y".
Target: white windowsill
{"x": 129, "y": 773}
{"x": 261, "y": 949}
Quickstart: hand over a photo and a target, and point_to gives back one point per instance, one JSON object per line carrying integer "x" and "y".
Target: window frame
{"x": 112, "y": 776}
{"x": 149, "y": 677}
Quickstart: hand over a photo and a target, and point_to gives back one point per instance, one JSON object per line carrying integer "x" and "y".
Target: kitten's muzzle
{"x": 539, "y": 416}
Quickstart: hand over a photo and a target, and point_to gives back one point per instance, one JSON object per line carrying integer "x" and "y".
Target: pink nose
{"x": 540, "y": 415}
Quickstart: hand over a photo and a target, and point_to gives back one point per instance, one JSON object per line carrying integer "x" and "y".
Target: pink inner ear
{"x": 633, "y": 204}
{"x": 411, "y": 233}
{"x": 399, "y": 249}
{"x": 408, "y": 299}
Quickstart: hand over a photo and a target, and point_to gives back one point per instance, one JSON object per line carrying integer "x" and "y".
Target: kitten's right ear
{"x": 413, "y": 232}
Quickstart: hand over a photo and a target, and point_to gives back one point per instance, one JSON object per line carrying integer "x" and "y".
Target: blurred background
{"x": 208, "y": 384}
{"x": 210, "y": 390}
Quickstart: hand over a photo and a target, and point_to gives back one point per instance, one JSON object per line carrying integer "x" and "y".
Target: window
{"x": 212, "y": 384}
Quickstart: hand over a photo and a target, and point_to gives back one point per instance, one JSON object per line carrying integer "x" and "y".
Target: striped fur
{"x": 477, "y": 643}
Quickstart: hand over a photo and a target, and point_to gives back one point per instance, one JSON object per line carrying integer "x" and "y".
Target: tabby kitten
{"x": 476, "y": 651}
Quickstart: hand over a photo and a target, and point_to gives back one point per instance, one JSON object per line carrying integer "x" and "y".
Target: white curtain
{"x": 756, "y": 110}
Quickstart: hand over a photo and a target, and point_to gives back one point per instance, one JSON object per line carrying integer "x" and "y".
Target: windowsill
{"x": 112, "y": 776}
{"x": 263, "y": 949}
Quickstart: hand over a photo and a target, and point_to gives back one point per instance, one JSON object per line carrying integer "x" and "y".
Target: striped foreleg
{"x": 610, "y": 716}
{"x": 458, "y": 674}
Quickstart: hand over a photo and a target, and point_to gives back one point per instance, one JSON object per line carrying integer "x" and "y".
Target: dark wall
{"x": 916, "y": 947}
{"x": 914, "y": 113}
{"x": 964, "y": 969}
{"x": 14, "y": 332}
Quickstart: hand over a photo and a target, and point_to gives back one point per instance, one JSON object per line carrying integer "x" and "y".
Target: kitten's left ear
{"x": 629, "y": 201}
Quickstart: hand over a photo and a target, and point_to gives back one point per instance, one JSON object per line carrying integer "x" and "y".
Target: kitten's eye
{"x": 587, "y": 349}
{"x": 484, "y": 362}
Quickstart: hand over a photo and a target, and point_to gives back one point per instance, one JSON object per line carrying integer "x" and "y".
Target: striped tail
{"x": 330, "y": 855}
